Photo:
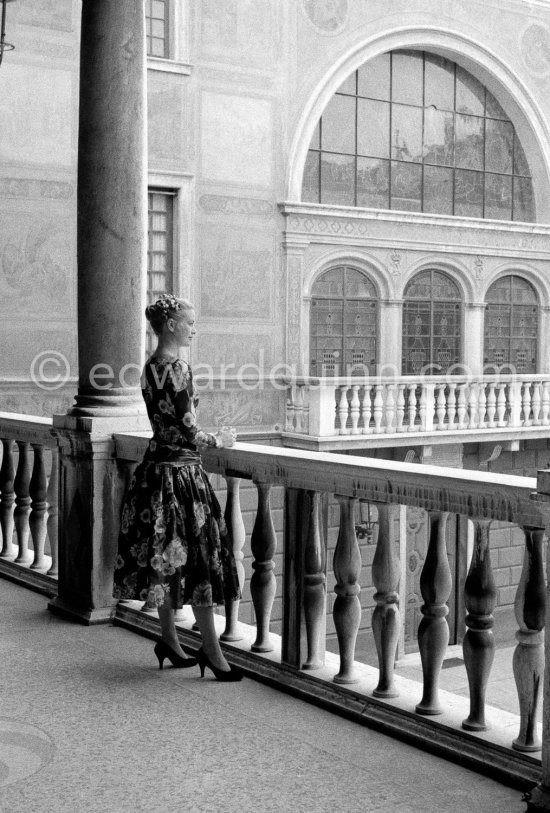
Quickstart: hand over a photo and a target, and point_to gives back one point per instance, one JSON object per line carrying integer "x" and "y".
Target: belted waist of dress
{"x": 183, "y": 457}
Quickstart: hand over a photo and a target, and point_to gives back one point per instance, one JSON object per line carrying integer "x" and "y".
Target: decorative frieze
{"x": 232, "y": 205}
{"x": 329, "y": 18}
{"x": 34, "y": 188}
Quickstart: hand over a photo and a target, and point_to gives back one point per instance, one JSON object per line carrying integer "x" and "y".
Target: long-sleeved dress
{"x": 173, "y": 540}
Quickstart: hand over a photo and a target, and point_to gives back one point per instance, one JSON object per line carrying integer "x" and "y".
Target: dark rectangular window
{"x": 160, "y": 264}
{"x": 156, "y": 21}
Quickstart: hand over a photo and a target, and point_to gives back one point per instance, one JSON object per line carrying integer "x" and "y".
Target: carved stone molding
{"x": 232, "y": 205}
{"x": 329, "y": 16}
{"x": 32, "y": 188}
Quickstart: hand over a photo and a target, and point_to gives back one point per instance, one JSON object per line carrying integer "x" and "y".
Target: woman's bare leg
{"x": 169, "y": 635}
{"x": 204, "y": 617}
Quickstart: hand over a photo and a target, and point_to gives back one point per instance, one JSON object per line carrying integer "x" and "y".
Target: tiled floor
{"x": 88, "y": 724}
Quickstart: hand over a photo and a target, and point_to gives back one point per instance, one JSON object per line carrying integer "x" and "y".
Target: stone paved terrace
{"x": 88, "y": 724}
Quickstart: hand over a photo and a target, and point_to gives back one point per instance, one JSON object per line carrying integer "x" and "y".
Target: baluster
{"x": 536, "y": 404}
{"x": 378, "y": 408}
{"x": 481, "y": 405}
{"x": 423, "y": 407}
{"x": 526, "y": 404}
{"x": 479, "y": 642}
{"x": 501, "y": 405}
{"x": 263, "y": 584}
{"x": 7, "y": 499}
{"x": 472, "y": 405}
{"x": 386, "y": 620}
{"x": 451, "y": 406}
{"x": 52, "y": 497}
{"x": 433, "y": 632}
{"x": 491, "y": 405}
{"x": 343, "y": 409}
{"x": 355, "y": 410}
{"x": 22, "y": 503}
{"x": 299, "y": 409}
{"x": 235, "y": 526}
{"x": 305, "y": 410}
{"x": 390, "y": 408}
{"x": 400, "y": 412}
{"x": 545, "y": 405}
{"x": 315, "y": 588}
{"x": 347, "y": 607}
{"x": 530, "y": 609}
{"x": 290, "y": 410}
{"x": 367, "y": 410}
{"x": 441, "y": 406}
{"x": 461, "y": 408}
{"x": 412, "y": 407}
{"x": 37, "y": 520}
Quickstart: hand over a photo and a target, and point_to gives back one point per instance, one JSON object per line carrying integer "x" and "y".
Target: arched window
{"x": 411, "y": 130}
{"x": 343, "y": 324}
{"x": 511, "y": 325}
{"x": 432, "y": 321}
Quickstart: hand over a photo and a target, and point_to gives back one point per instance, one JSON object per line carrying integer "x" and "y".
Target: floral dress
{"x": 173, "y": 541}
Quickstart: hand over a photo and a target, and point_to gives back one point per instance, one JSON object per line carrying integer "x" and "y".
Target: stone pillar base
{"x": 538, "y": 799}
{"x": 87, "y": 617}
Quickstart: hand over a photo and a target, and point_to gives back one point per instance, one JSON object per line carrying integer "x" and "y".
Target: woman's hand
{"x": 227, "y": 436}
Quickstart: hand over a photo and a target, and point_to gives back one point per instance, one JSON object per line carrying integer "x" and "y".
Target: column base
{"x": 538, "y": 799}
{"x": 102, "y": 615}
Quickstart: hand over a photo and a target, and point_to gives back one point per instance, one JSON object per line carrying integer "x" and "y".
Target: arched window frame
{"x": 509, "y": 365}
{"x": 344, "y": 367}
{"x": 430, "y": 366}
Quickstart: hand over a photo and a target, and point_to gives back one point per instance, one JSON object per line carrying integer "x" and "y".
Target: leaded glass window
{"x": 432, "y": 324}
{"x": 511, "y": 326}
{"x": 160, "y": 278}
{"x": 414, "y": 131}
{"x": 156, "y": 22}
{"x": 343, "y": 324}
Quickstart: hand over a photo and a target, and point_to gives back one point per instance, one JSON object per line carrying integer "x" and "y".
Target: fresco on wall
{"x": 328, "y": 15}
{"x": 237, "y": 350}
{"x": 241, "y": 30}
{"x": 35, "y": 267}
{"x": 55, "y": 14}
{"x": 236, "y": 139}
{"x": 535, "y": 48}
{"x": 236, "y": 275}
{"x": 241, "y": 408}
{"x": 167, "y": 138}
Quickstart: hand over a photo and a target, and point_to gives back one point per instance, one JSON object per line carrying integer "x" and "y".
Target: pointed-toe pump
{"x": 163, "y": 651}
{"x": 232, "y": 676}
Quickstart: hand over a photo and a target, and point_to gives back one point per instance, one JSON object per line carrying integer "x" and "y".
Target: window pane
{"x": 493, "y": 108}
{"x": 158, "y": 241}
{"x": 358, "y": 286}
{"x": 523, "y": 292}
{"x": 338, "y": 125}
{"x": 470, "y": 94}
{"x": 310, "y": 184}
{"x": 157, "y": 48}
{"x": 438, "y": 190}
{"x": 498, "y": 196}
{"x": 338, "y": 179}
{"x": 469, "y": 142}
{"x": 406, "y": 138}
{"x": 158, "y": 8}
{"x": 499, "y": 142}
{"x": 350, "y": 85}
{"x": 316, "y": 138}
{"x": 157, "y": 29}
{"x": 373, "y": 128}
{"x": 374, "y": 78}
{"x": 438, "y": 137}
{"x": 407, "y": 74}
{"x": 524, "y": 202}
{"x": 468, "y": 193}
{"x": 440, "y": 83}
{"x": 330, "y": 284}
{"x": 406, "y": 186}
{"x": 521, "y": 167}
{"x": 373, "y": 183}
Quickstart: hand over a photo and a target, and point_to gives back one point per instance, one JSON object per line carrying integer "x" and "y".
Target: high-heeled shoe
{"x": 163, "y": 651}
{"x": 232, "y": 676}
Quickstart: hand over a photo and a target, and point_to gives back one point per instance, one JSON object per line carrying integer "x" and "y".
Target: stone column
{"x": 112, "y": 207}
{"x": 474, "y": 314}
{"x": 111, "y": 252}
{"x": 390, "y": 353}
{"x": 297, "y": 310}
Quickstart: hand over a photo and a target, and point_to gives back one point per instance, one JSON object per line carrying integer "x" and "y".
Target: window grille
{"x": 160, "y": 272}
{"x": 511, "y": 326}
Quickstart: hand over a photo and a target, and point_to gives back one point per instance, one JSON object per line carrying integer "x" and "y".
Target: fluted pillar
{"x": 112, "y": 207}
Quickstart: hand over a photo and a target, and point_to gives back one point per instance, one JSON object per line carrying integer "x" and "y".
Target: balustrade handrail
{"x": 27, "y": 429}
{"x": 503, "y": 497}
{"x": 355, "y": 380}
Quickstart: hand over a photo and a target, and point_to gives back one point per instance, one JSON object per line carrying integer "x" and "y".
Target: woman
{"x": 173, "y": 547}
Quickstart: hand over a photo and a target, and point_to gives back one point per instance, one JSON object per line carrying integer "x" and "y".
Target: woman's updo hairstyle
{"x": 165, "y": 308}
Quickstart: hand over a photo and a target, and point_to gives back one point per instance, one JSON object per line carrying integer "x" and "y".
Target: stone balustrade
{"x": 29, "y": 477}
{"x": 357, "y": 406}
{"x": 297, "y": 659}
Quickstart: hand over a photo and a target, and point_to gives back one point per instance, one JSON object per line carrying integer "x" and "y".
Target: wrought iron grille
{"x": 511, "y": 326}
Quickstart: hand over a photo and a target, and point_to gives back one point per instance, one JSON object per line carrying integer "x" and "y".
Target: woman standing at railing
{"x": 174, "y": 547}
